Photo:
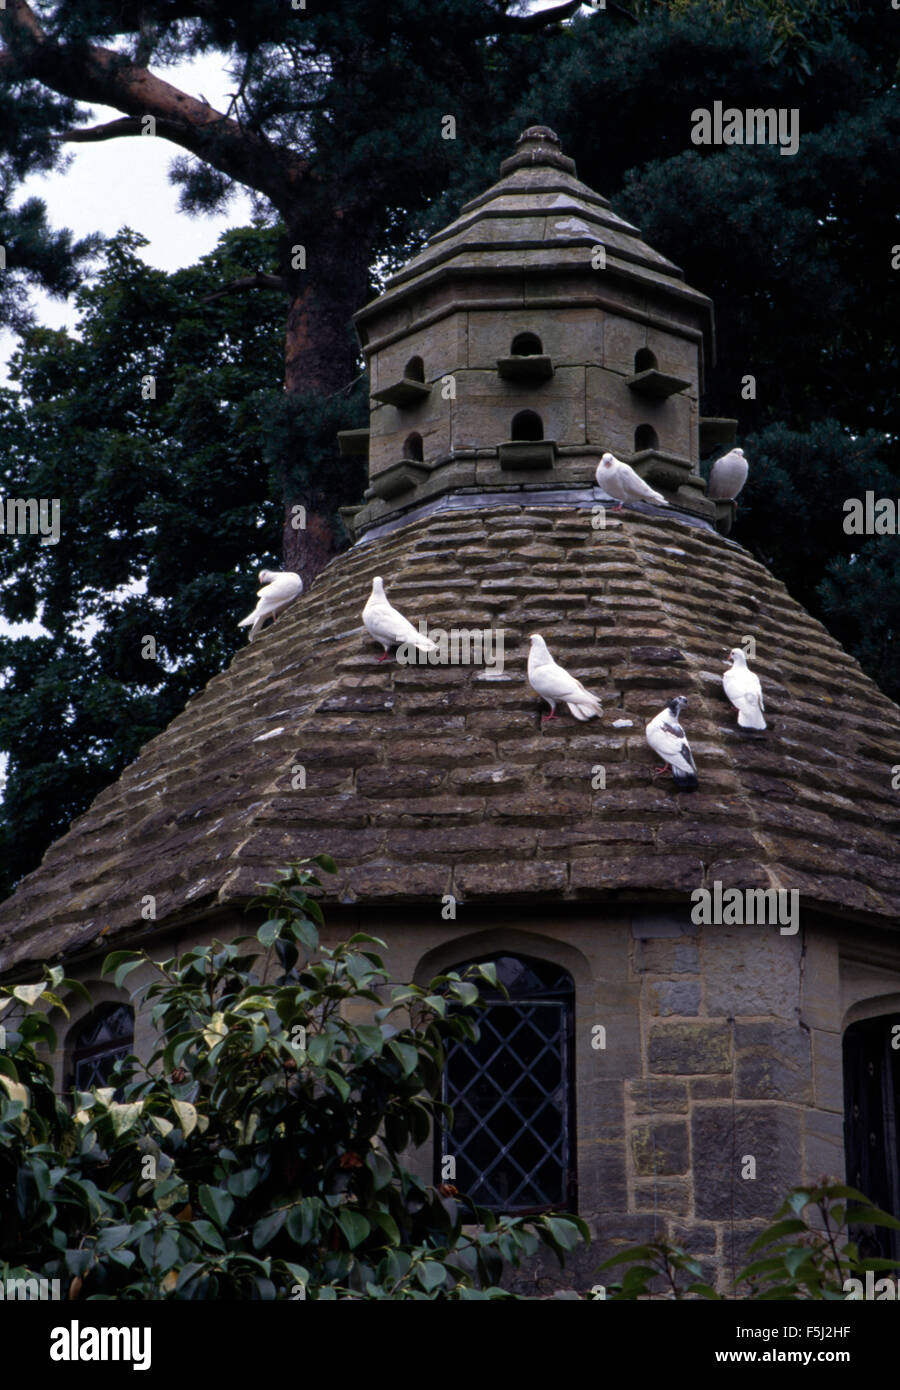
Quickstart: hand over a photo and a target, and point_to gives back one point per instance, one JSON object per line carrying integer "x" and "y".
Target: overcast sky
{"x": 124, "y": 182}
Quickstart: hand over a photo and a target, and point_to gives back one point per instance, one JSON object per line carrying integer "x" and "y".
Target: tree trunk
{"x": 321, "y": 359}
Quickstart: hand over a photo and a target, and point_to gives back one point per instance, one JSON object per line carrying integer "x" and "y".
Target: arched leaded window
{"x": 872, "y": 1124}
{"x": 105, "y": 1035}
{"x": 512, "y": 1093}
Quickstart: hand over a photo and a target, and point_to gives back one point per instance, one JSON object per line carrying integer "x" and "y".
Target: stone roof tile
{"x": 431, "y": 779}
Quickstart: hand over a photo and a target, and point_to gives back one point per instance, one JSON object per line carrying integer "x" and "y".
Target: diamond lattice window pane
{"x": 510, "y": 1093}
{"x": 105, "y": 1036}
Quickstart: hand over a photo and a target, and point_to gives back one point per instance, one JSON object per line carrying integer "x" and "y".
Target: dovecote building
{"x": 643, "y": 1055}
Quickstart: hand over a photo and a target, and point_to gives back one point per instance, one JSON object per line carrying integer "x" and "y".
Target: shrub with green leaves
{"x": 258, "y": 1153}
{"x": 807, "y": 1252}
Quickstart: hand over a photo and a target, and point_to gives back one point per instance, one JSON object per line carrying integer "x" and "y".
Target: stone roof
{"x": 433, "y": 779}
{"x": 539, "y": 220}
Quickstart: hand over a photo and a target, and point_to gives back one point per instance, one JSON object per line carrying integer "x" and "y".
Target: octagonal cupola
{"x": 525, "y": 339}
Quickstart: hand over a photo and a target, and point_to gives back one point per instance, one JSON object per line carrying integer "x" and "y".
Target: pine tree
{"x": 336, "y": 125}
{"x": 168, "y": 508}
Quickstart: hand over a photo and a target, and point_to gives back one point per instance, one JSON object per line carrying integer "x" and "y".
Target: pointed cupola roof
{"x": 527, "y": 338}
{"x": 539, "y": 218}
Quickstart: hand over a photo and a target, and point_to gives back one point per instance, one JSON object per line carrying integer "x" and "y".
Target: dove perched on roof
{"x": 621, "y": 482}
{"x": 743, "y": 689}
{"x": 389, "y": 627}
{"x": 552, "y": 682}
{"x": 278, "y": 588}
{"x": 667, "y": 738}
{"x": 727, "y": 476}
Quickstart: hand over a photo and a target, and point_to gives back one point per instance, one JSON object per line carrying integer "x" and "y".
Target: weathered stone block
{"x": 675, "y": 997}
{"x": 664, "y": 871}
{"x": 828, "y": 1071}
{"x": 711, "y": 1087}
{"x": 690, "y": 1048}
{"x": 615, "y": 1232}
{"x": 666, "y": 1194}
{"x": 486, "y": 405}
{"x": 621, "y": 341}
{"x": 676, "y": 355}
{"x": 773, "y": 1062}
{"x": 694, "y": 1239}
{"x": 751, "y": 970}
{"x": 723, "y": 1137}
{"x": 568, "y": 336}
{"x": 442, "y": 347}
{"x": 480, "y": 880}
{"x": 646, "y": 926}
{"x": 653, "y": 1096}
{"x": 660, "y": 1148}
{"x": 602, "y": 1165}
{"x": 667, "y": 957}
{"x": 825, "y": 1154}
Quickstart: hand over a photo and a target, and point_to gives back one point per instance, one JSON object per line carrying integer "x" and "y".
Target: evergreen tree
{"x": 169, "y": 506}
{"x": 337, "y": 126}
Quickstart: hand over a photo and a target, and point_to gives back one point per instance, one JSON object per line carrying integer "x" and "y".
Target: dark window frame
{"x": 871, "y": 1069}
{"x": 113, "y": 1026}
{"x": 546, "y": 986}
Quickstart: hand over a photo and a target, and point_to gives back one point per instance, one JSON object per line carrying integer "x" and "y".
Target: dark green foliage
{"x": 350, "y": 97}
{"x": 861, "y": 599}
{"x": 797, "y": 486}
{"x": 795, "y": 251}
{"x": 167, "y": 513}
{"x": 36, "y": 255}
{"x": 807, "y": 1252}
{"x": 273, "y": 1119}
{"x": 300, "y": 444}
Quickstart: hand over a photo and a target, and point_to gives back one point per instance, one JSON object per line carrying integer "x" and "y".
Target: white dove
{"x": 279, "y": 587}
{"x": 389, "y": 627}
{"x": 743, "y": 689}
{"x": 727, "y": 476}
{"x": 667, "y": 738}
{"x": 552, "y": 682}
{"x": 620, "y": 481}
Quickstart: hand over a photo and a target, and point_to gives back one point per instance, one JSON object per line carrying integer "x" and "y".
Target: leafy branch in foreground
{"x": 807, "y": 1252}
{"x": 259, "y": 1153}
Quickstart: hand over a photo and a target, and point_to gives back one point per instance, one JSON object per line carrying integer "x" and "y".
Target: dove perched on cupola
{"x": 389, "y": 627}
{"x": 743, "y": 689}
{"x": 279, "y": 587}
{"x": 667, "y": 738}
{"x": 553, "y": 683}
{"x": 728, "y": 476}
{"x": 621, "y": 482}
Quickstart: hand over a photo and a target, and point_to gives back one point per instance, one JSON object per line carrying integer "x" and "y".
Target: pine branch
{"x": 527, "y": 24}
{"x": 247, "y": 282}
{"x": 112, "y": 130}
{"x": 94, "y": 74}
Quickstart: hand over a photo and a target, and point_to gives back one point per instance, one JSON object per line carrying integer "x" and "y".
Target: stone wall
{"x": 722, "y": 1045}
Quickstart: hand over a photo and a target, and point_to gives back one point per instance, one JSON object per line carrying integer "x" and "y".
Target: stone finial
{"x": 538, "y": 145}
